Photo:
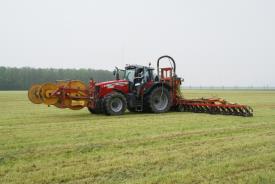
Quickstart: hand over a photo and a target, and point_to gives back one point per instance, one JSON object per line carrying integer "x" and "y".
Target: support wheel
{"x": 159, "y": 100}
{"x": 115, "y": 104}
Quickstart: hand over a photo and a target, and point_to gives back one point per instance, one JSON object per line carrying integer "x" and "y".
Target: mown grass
{"x": 49, "y": 145}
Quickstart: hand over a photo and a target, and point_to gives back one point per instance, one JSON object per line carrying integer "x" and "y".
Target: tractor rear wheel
{"x": 114, "y": 104}
{"x": 159, "y": 100}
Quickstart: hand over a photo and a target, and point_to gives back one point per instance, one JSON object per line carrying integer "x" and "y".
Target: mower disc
{"x": 76, "y": 107}
{"x": 47, "y": 91}
{"x": 77, "y": 89}
{"x": 61, "y": 83}
{"x": 59, "y": 103}
{"x": 34, "y": 94}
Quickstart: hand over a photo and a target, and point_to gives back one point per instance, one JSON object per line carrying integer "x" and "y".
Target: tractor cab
{"x": 137, "y": 74}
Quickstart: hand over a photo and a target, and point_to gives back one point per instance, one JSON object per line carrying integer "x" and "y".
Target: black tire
{"x": 94, "y": 111}
{"x": 159, "y": 100}
{"x": 114, "y": 104}
{"x": 98, "y": 109}
{"x": 131, "y": 109}
{"x": 180, "y": 108}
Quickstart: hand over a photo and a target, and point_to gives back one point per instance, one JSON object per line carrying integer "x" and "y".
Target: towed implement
{"x": 139, "y": 90}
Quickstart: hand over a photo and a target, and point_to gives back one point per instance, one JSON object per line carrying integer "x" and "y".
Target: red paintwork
{"x": 148, "y": 85}
{"x": 110, "y": 86}
{"x": 167, "y": 73}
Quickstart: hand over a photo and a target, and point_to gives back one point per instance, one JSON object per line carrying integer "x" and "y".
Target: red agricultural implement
{"x": 139, "y": 90}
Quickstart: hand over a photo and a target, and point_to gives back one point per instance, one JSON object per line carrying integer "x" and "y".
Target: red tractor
{"x": 138, "y": 90}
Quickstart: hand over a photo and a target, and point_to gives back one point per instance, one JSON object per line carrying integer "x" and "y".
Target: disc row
{"x": 62, "y": 94}
{"x": 224, "y": 110}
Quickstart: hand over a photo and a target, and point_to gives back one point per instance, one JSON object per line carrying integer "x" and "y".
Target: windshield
{"x": 129, "y": 75}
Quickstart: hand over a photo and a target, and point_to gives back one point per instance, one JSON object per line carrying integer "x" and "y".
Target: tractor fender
{"x": 156, "y": 85}
{"x": 117, "y": 91}
{"x": 113, "y": 91}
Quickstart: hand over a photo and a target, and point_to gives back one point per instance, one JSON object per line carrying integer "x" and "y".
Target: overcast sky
{"x": 214, "y": 42}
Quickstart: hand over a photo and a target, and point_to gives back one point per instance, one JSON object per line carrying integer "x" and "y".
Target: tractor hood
{"x": 108, "y": 87}
{"x": 112, "y": 83}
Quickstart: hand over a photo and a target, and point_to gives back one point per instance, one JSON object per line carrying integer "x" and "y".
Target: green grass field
{"x": 49, "y": 145}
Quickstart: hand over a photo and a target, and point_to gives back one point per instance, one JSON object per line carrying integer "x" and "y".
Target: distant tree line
{"x": 23, "y": 78}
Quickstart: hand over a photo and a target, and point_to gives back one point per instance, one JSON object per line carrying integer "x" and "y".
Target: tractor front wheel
{"x": 94, "y": 111}
{"x": 115, "y": 104}
{"x": 98, "y": 108}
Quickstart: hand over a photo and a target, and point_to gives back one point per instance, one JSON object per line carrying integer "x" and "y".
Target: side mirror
{"x": 116, "y": 73}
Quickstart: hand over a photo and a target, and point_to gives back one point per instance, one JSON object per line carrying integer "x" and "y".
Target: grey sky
{"x": 214, "y": 42}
